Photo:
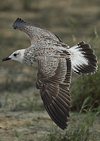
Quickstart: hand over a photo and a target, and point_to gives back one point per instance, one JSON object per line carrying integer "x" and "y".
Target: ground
{"x": 22, "y": 114}
{"x": 23, "y": 117}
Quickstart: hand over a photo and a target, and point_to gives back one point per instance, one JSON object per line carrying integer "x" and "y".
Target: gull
{"x": 55, "y": 60}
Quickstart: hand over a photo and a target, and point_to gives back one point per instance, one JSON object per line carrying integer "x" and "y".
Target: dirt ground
{"x": 22, "y": 114}
{"x": 23, "y": 118}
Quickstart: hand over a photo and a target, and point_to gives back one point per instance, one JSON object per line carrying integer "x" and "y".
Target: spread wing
{"x": 33, "y": 31}
{"x": 53, "y": 80}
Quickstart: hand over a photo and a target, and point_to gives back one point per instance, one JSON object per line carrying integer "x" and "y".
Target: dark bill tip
{"x": 5, "y": 59}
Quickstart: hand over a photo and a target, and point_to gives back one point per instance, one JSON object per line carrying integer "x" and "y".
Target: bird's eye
{"x": 15, "y": 54}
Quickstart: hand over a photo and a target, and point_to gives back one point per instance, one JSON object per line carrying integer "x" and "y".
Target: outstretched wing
{"x": 53, "y": 80}
{"x": 33, "y": 31}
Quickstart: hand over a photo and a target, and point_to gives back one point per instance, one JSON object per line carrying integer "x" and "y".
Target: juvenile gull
{"x": 55, "y": 63}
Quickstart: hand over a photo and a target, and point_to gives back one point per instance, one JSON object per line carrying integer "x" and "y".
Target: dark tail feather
{"x": 83, "y": 58}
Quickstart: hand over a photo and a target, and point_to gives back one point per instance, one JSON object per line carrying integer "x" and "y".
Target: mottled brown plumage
{"x": 55, "y": 63}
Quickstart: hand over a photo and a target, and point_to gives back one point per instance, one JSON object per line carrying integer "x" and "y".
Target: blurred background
{"x": 72, "y": 21}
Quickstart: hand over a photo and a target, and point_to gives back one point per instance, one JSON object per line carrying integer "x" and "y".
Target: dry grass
{"x": 73, "y": 21}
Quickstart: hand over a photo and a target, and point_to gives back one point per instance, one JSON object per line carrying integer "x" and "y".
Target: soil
{"x": 22, "y": 114}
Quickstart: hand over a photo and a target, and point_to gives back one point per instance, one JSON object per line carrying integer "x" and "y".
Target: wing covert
{"x": 33, "y": 31}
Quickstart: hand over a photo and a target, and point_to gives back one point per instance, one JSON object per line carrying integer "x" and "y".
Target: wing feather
{"x": 33, "y": 31}
{"x": 54, "y": 89}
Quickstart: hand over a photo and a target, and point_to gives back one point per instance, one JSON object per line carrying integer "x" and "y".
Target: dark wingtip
{"x": 17, "y": 22}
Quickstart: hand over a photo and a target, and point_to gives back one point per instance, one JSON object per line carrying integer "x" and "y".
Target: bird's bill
{"x": 5, "y": 59}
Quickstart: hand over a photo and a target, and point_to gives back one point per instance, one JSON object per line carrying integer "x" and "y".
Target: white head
{"x": 17, "y": 56}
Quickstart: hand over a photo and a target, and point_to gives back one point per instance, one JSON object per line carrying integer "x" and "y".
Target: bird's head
{"x": 17, "y": 56}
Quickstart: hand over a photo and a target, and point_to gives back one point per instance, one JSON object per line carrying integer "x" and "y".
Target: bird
{"x": 56, "y": 61}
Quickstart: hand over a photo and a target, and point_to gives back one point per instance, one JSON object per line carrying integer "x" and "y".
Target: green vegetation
{"x": 16, "y": 133}
{"x": 72, "y": 21}
{"x": 26, "y": 104}
{"x": 81, "y": 131}
{"x": 87, "y": 86}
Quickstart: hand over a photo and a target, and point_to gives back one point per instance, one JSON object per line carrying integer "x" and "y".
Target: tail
{"x": 83, "y": 59}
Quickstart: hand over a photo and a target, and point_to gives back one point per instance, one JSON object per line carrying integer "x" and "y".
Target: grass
{"x": 83, "y": 131}
{"x": 16, "y": 133}
{"x": 87, "y": 86}
{"x": 18, "y": 104}
{"x": 73, "y": 22}
{"x": 30, "y": 103}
